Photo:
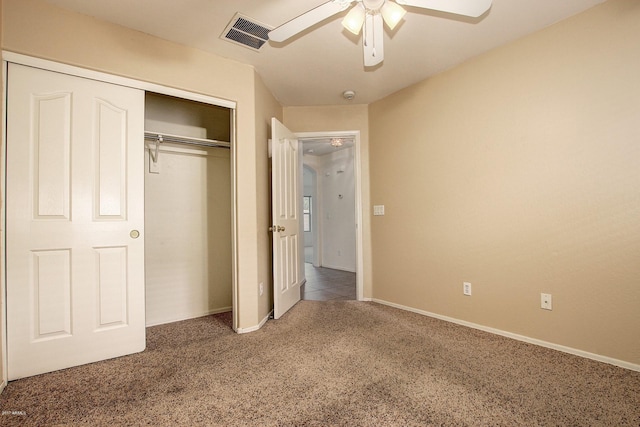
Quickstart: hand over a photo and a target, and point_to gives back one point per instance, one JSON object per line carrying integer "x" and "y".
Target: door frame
{"x": 122, "y": 81}
{"x": 357, "y": 159}
{"x": 315, "y": 223}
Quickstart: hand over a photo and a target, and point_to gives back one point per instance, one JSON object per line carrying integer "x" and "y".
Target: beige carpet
{"x": 338, "y": 363}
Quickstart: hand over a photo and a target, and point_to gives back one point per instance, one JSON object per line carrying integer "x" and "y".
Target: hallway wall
{"x": 335, "y": 209}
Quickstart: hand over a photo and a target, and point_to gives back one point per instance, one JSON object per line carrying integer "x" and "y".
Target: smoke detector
{"x": 348, "y": 95}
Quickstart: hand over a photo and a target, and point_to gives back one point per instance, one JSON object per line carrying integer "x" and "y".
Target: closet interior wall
{"x": 187, "y": 212}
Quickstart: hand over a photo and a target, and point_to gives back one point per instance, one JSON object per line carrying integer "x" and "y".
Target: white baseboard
{"x": 191, "y": 316}
{"x": 558, "y": 347}
{"x": 256, "y": 327}
{"x": 2, "y": 386}
{"x": 335, "y": 267}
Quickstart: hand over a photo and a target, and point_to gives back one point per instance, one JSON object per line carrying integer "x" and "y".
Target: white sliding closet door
{"x": 75, "y": 218}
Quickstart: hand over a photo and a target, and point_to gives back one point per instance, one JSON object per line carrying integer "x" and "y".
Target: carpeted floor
{"x": 334, "y": 363}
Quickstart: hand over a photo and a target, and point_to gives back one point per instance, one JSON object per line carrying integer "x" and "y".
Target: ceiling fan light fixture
{"x": 354, "y": 19}
{"x": 392, "y": 13}
{"x": 372, "y": 15}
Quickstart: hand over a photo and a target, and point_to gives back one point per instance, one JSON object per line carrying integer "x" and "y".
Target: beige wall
{"x": 519, "y": 172}
{"x": 36, "y": 28}
{"x": 266, "y": 108}
{"x": 342, "y": 118}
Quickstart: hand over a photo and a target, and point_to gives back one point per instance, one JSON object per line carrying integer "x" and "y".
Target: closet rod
{"x": 166, "y": 137}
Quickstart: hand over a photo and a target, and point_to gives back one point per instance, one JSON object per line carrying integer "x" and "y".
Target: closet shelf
{"x": 177, "y": 139}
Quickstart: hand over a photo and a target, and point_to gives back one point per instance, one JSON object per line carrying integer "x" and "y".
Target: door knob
{"x": 134, "y": 234}
{"x": 280, "y": 228}
{"x": 276, "y": 228}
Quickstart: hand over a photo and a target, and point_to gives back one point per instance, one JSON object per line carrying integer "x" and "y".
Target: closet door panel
{"x": 112, "y": 286}
{"x": 51, "y": 130}
{"x": 51, "y": 294}
{"x": 110, "y": 130}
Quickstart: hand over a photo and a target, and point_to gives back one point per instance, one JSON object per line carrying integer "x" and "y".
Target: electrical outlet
{"x": 545, "y": 301}
{"x": 466, "y": 288}
{"x": 261, "y": 288}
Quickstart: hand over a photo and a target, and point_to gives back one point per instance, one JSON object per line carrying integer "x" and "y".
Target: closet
{"x": 188, "y": 247}
{"x": 87, "y": 265}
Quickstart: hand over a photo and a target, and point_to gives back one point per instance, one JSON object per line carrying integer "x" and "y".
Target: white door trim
{"x": 59, "y": 67}
{"x": 123, "y": 81}
{"x": 355, "y": 134}
{"x": 3, "y": 246}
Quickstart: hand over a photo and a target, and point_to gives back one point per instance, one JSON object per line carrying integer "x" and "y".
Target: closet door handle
{"x": 276, "y": 228}
{"x": 134, "y": 234}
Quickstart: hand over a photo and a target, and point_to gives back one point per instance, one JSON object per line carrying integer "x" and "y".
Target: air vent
{"x": 246, "y": 32}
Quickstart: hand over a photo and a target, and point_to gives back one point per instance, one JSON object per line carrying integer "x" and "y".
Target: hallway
{"x": 324, "y": 284}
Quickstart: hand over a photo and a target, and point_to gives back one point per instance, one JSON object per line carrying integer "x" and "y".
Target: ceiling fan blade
{"x": 307, "y": 19}
{"x": 372, "y": 41}
{"x": 473, "y": 8}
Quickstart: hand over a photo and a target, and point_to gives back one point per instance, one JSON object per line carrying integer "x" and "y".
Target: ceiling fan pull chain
{"x": 373, "y": 37}
{"x": 364, "y": 32}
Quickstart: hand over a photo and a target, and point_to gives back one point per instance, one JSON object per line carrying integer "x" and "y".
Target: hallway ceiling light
{"x": 336, "y": 142}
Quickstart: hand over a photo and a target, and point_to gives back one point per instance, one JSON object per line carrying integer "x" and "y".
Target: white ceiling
{"x": 315, "y": 67}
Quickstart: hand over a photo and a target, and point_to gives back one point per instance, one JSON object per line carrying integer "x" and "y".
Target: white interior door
{"x": 286, "y": 196}
{"x": 75, "y": 218}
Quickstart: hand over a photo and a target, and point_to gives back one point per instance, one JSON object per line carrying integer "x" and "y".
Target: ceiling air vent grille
{"x": 246, "y": 32}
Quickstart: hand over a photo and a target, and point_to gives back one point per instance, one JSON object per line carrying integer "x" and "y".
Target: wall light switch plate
{"x": 378, "y": 210}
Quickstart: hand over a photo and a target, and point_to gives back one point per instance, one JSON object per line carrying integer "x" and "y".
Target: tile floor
{"x": 325, "y": 284}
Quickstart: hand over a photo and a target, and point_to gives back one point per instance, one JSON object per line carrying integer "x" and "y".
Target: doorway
{"x": 331, "y": 212}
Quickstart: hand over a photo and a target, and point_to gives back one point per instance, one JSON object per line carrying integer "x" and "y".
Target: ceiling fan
{"x": 370, "y": 14}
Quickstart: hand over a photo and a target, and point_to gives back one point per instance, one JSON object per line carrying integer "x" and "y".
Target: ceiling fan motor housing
{"x": 373, "y": 5}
